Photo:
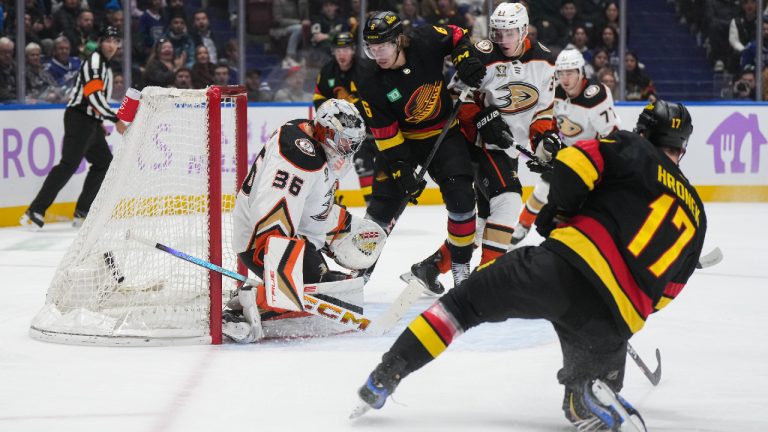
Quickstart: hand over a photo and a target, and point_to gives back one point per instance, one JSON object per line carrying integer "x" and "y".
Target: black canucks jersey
{"x": 411, "y": 102}
{"x": 640, "y": 225}
{"x": 332, "y": 82}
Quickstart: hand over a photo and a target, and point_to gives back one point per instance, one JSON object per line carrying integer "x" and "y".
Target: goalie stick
{"x": 312, "y": 305}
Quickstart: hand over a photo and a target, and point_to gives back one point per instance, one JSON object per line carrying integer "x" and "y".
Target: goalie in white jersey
{"x": 289, "y": 193}
{"x": 583, "y": 111}
{"x": 515, "y": 83}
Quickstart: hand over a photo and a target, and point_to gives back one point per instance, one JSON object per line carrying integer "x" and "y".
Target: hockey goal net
{"x": 172, "y": 181}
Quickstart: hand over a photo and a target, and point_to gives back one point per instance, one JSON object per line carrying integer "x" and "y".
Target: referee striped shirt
{"x": 94, "y": 84}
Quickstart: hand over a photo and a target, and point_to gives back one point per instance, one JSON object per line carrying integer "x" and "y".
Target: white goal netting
{"x": 110, "y": 290}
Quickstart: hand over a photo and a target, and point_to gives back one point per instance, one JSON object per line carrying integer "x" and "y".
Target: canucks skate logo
{"x": 424, "y": 104}
{"x": 517, "y": 97}
{"x": 327, "y": 205}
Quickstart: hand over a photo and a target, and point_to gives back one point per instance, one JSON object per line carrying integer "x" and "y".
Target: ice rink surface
{"x": 713, "y": 340}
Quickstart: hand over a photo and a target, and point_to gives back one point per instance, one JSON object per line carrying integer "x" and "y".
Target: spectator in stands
{"x": 742, "y": 28}
{"x": 114, "y": 17}
{"x": 444, "y": 12}
{"x": 175, "y": 7}
{"x": 258, "y": 90}
{"x": 293, "y": 91}
{"x": 744, "y": 86}
{"x": 183, "y": 47}
{"x": 324, "y": 27}
{"x": 579, "y": 42}
{"x": 607, "y": 76}
{"x": 118, "y": 88}
{"x": 83, "y": 37}
{"x": 183, "y": 79}
{"x": 600, "y": 59}
{"x": 41, "y": 85}
{"x": 32, "y": 28}
{"x": 611, "y": 16}
{"x": 750, "y": 52}
{"x": 718, "y": 15}
{"x": 232, "y": 59}
{"x": 152, "y": 24}
{"x": 221, "y": 75}
{"x": 411, "y": 17}
{"x": 162, "y": 65}
{"x": 479, "y": 30}
{"x": 353, "y": 16}
{"x": 533, "y": 33}
{"x": 609, "y": 40}
{"x": 7, "y": 71}
{"x": 292, "y": 17}
{"x": 62, "y": 66}
{"x": 639, "y": 86}
{"x": 65, "y": 18}
{"x": 202, "y": 35}
{"x": 202, "y": 70}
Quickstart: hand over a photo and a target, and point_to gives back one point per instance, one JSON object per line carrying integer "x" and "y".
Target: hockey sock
{"x": 496, "y": 240}
{"x": 366, "y": 183}
{"x": 426, "y": 337}
{"x": 528, "y": 215}
{"x": 461, "y": 236}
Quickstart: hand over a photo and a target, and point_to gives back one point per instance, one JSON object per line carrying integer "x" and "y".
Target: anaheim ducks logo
{"x": 519, "y": 97}
{"x": 424, "y": 104}
{"x": 567, "y": 127}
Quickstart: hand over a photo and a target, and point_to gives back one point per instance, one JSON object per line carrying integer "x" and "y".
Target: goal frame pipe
{"x": 214, "y": 96}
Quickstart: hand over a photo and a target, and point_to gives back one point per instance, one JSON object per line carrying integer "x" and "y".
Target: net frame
{"x": 215, "y": 98}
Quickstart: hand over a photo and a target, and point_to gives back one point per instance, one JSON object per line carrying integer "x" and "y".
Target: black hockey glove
{"x": 405, "y": 176}
{"x": 548, "y": 219}
{"x": 470, "y": 69}
{"x": 536, "y": 167}
{"x": 493, "y": 129}
{"x": 547, "y": 145}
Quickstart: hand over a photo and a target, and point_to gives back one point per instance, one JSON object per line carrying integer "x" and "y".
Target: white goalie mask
{"x": 509, "y": 23}
{"x": 340, "y": 129}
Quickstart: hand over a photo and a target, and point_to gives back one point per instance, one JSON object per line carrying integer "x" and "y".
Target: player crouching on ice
{"x": 624, "y": 231}
{"x": 285, "y": 215}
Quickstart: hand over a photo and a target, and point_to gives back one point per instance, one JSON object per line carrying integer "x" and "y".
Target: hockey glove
{"x": 547, "y": 145}
{"x": 492, "y": 128}
{"x": 470, "y": 69}
{"x": 405, "y": 176}
{"x": 549, "y": 218}
{"x": 536, "y": 167}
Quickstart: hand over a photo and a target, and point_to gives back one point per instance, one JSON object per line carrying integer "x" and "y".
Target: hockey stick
{"x": 710, "y": 259}
{"x": 312, "y": 305}
{"x": 537, "y": 160}
{"x": 422, "y": 172}
{"x": 655, "y": 376}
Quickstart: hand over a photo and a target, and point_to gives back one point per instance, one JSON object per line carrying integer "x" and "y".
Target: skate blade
{"x": 361, "y": 408}
{"x": 409, "y": 277}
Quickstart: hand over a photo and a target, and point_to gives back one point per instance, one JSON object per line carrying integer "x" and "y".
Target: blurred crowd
{"x": 174, "y": 44}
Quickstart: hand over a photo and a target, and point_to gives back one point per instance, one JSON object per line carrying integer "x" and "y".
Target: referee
{"x": 84, "y": 135}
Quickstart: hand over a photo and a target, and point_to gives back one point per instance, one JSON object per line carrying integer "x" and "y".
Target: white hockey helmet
{"x": 569, "y": 59}
{"x": 509, "y": 16}
{"x": 340, "y": 129}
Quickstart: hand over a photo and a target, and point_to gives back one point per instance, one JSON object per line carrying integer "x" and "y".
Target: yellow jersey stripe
{"x": 388, "y": 143}
{"x": 577, "y": 161}
{"x": 427, "y": 336}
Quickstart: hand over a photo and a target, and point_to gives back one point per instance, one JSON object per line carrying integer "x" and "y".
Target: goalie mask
{"x": 340, "y": 130}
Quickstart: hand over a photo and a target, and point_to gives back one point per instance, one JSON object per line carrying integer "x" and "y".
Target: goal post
{"x": 174, "y": 180}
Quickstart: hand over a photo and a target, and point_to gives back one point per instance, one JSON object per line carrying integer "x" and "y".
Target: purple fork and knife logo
{"x": 733, "y": 152}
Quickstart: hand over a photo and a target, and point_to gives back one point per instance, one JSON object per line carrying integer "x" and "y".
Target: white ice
{"x": 494, "y": 378}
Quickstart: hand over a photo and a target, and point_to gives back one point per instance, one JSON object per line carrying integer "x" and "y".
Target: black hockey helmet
{"x": 342, "y": 40}
{"x": 109, "y": 32}
{"x": 665, "y": 124}
{"x": 382, "y": 27}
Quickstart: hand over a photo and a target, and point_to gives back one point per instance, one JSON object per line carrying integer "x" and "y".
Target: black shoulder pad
{"x": 300, "y": 149}
{"x": 592, "y": 95}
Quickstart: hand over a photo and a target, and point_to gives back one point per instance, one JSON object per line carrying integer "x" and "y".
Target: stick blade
{"x": 656, "y": 376}
{"x": 710, "y": 259}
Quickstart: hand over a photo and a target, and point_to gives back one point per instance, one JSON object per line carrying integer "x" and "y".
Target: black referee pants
{"x": 83, "y": 137}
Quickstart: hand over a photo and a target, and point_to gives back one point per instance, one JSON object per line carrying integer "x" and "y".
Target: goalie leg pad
{"x": 283, "y": 273}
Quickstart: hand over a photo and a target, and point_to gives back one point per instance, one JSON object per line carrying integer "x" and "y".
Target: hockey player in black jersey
{"x": 624, "y": 231}
{"x": 407, "y": 105}
{"x": 340, "y": 79}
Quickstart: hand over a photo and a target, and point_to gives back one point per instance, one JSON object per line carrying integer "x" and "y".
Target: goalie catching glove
{"x": 493, "y": 129}
{"x": 356, "y": 243}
